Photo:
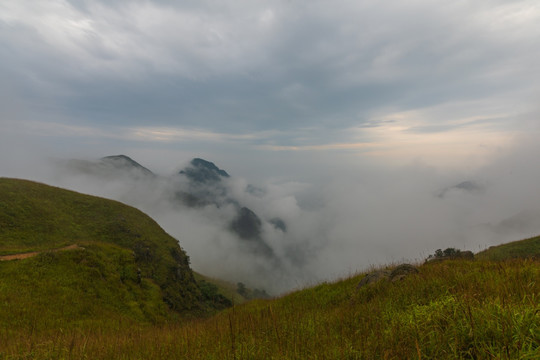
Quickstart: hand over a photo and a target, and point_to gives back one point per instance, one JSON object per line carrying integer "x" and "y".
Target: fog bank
{"x": 350, "y": 217}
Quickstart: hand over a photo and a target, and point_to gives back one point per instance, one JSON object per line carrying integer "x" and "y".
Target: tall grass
{"x": 449, "y": 310}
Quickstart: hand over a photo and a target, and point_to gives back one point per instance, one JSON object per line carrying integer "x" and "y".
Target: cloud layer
{"x": 278, "y": 74}
{"x": 356, "y": 218}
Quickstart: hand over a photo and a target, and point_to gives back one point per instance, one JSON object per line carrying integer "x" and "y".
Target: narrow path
{"x": 35, "y": 253}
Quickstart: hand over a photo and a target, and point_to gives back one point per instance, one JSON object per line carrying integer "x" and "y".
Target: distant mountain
{"x": 123, "y": 162}
{"x": 465, "y": 186}
{"x": 206, "y": 187}
{"x": 110, "y": 167}
{"x": 202, "y": 171}
{"x": 247, "y": 224}
{"x": 200, "y": 184}
{"x": 279, "y": 224}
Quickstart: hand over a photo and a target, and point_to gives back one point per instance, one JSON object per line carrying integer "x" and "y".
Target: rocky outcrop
{"x": 398, "y": 273}
{"x": 402, "y": 271}
{"x": 373, "y": 277}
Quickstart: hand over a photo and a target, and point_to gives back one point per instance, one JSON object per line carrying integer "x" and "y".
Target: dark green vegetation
{"x": 450, "y": 254}
{"x": 126, "y": 266}
{"x": 452, "y": 309}
{"x": 221, "y": 287}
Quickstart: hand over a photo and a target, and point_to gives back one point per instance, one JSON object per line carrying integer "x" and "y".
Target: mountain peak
{"x": 126, "y": 163}
{"x": 204, "y": 171}
{"x": 204, "y": 164}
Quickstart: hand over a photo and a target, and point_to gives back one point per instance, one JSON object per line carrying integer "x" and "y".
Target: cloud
{"x": 245, "y": 66}
{"x": 446, "y": 135}
{"x": 162, "y": 134}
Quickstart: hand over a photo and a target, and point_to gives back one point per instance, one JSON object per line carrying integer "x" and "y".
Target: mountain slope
{"x": 123, "y": 262}
{"x": 114, "y": 167}
{"x": 207, "y": 187}
{"x": 123, "y": 162}
{"x": 456, "y": 309}
{"x": 527, "y": 248}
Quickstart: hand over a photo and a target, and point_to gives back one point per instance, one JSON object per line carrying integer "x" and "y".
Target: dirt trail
{"x": 35, "y": 253}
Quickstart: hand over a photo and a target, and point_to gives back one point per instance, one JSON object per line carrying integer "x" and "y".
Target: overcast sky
{"x": 381, "y": 102}
{"x": 390, "y": 81}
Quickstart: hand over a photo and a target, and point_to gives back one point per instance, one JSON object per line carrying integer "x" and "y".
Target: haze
{"x": 378, "y": 131}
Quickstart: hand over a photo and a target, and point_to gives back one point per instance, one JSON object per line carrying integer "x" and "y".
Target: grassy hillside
{"x": 80, "y": 287}
{"x": 516, "y": 249}
{"x": 124, "y": 264}
{"x": 454, "y": 309}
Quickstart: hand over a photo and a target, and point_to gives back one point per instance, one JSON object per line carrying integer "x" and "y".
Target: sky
{"x": 316, "y": 93}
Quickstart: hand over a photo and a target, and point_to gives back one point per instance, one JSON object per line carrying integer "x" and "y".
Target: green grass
{"x": 516, "y": 249}
{"x": 74, "y": 288}
{"x": 37, "y": 217}
{"x": 450, "y": 310}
